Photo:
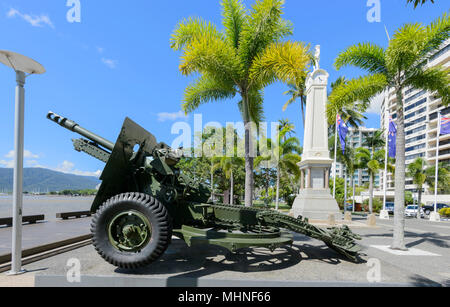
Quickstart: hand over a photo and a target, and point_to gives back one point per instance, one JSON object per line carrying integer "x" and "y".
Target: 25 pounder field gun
{"x": 144, "y": 199}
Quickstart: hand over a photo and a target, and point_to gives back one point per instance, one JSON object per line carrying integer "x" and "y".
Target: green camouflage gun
{"x": 144, "y": 199}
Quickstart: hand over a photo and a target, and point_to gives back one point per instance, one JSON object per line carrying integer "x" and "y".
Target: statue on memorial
{"x": 317, "y": 58}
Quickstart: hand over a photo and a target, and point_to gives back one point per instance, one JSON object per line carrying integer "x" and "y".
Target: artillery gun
{"x": 144, "y": 199}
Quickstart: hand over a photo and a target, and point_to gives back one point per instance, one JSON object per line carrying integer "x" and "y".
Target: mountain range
{"x": 44, "y": 180}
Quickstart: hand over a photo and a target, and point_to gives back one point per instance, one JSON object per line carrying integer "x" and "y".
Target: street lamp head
{"x": 20, "y": 62}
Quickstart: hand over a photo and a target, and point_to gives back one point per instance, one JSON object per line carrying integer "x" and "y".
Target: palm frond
{"x": 434, "y": 79}
{"x": 205, "y": 90}
{"x": 208, "y": 54}
{"x": 436, "y": 34}
{"x": 366, "y": 56}
{"x": 286, "y": 62}
{"x": 264, "y": 27}
{"x": 255, "y": 106}
{"x": 421, "y": 2}
{"x": 190, "y": 29}
{"x": 351, "y": 93}
{"x": 405, "y": 47}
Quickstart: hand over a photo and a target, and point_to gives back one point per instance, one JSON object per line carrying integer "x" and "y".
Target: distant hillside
{"x": 43, "y": 180}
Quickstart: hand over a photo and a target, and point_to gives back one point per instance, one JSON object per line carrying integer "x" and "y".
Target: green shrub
{"x": 445, "y": 212}
{"x": 377, "y": 205}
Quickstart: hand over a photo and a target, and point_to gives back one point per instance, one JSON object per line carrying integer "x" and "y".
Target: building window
{"x": 411, "y": 157}
{"x": 415, "y": 96}
{"x": 417, "y": 147}
{"x": 418, "y": 112}
{"x": 416, "y": 121}
{"x": 415, "y": 139}
{"x": 416, "y": 130}
{"x": 418, "y": 103}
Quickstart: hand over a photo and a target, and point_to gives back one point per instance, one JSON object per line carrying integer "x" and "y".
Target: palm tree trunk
{"x": 232, "y": 189}
{"x": 248, "y": 158}
{"x": 248, "y": 171}
{"x": 354, "y": 200}
{"x": 345, "y": 193}
{"x": 400, "y": 169}
{"x": 278, "y": 188}
{"x": 212, "y": 181}
{"x": 371, "y": 194}
{"x": 303, "y": 110}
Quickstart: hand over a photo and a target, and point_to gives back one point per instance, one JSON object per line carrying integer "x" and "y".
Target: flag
{"x": 342, "y": 131}
{"x": 445, "y": 125}
{"x": 392, "y": 138}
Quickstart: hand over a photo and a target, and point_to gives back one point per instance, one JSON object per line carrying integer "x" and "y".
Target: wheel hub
{"x": 129, "y": 231}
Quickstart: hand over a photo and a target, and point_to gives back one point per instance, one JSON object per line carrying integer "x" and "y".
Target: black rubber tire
{"x": 160, "y": 223}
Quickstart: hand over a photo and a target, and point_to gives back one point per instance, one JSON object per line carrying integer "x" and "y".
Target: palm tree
{"x": 400, "y": 66}
{"x": 421, "y": 2}
{"x": 289, "y": 156}
{"x": 347, "y": 158}
{"x": 243, "y": 59}
{"x": 352, "y": 114}
{"x": 373, "y": 162}
{"x": 228, "y": 165}
{"x": 374, "y": 141}
{"x": 443, "y": 178}
{"x": 417, "y": 171}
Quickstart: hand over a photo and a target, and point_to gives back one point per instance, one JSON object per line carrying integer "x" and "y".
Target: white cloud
{"x": 34, "y": 20}
{"x": 162, "y": 117}
{"x": 7, "y": 164}
{"x": 110, "y": 63}
{"x": 26, "y": 154}
{"x": 375, "y": 104}
{"x": 31, "y": 160}
{"x": 68, "y": 167}
{"x": 100, "y": 50}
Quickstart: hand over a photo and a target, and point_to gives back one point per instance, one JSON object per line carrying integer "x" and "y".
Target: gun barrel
{"x": 74, "y": 127}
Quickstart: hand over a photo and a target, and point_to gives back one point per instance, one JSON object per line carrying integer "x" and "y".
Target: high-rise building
{"x": 355, "y": 139}
{"x": 421, "y": 120}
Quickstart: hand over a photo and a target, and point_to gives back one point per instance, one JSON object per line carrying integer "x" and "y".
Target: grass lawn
{"x": 282, "y": 206}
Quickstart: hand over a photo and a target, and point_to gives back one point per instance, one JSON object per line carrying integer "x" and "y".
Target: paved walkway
{"x": 307, "y": 263}
{"x": 45, "y": 233}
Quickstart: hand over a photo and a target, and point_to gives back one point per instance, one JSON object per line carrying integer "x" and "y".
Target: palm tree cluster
{"x": 225, "y": 172}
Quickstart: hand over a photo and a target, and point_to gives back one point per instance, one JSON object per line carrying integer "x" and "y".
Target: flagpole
{"x": 385, "y": 164}
{"x": 437, "y": 162}
{"x": 335, "y": 156}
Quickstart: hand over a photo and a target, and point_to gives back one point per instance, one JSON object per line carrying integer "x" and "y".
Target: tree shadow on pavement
{"x": 200, "y": 261}
{"x": 429, "y": 237}
{"x": 420, "y": 281}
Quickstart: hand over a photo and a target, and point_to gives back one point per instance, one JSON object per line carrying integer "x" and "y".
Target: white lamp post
{"x": 22, "y": 65}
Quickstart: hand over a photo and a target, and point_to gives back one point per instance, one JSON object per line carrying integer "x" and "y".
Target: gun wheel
{"x": 131, "y": 230}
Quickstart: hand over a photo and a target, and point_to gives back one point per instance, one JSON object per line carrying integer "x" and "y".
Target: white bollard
{"x": 435, "y": 217}
{"x": 384, "y": 215}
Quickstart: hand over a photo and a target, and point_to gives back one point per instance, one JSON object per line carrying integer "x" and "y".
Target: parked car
{"x": 429, "y": 209}
{"x": 349, "y": 206}
{"x": 411, "y": 211}
{"x": 390, "y": 207}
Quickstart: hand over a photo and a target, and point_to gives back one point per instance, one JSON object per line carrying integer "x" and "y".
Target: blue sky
{"x": 117, "y": 62}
